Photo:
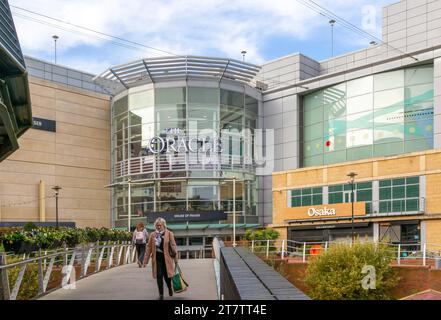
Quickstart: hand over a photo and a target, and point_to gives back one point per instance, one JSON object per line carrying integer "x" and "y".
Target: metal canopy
{"x": 152, "y": 70}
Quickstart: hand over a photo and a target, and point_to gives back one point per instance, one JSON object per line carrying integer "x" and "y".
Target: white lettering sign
{"x": 313, "y": 212}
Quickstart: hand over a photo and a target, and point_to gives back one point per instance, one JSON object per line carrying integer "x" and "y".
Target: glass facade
{"x": 379, "y": 115}
{"x": 181, "y": 147}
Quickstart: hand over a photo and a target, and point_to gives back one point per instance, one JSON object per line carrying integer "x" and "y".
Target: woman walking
{"x": 162, "y": 248}
{"x": 140, "y": 236}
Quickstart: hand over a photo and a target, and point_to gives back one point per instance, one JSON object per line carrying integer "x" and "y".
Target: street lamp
{"x": 243, "y": 54}
{"x": 129, "y": 222}
{"x": 352, "y": 176}
{"x": 234, "y": 211}
{"x": 55, "y": 37}
{"x": 56, "y": 189}
{"x": 332, "y": 22}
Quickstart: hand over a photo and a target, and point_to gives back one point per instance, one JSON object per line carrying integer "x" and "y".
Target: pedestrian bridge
{"x": 129, "y": 282}
{"x": 109, "y": 272}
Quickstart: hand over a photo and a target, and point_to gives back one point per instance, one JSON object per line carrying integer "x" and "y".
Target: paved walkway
{"x": 129, "y": 282}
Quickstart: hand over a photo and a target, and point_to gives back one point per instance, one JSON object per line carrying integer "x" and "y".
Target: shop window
{"x": 306, "y": 197}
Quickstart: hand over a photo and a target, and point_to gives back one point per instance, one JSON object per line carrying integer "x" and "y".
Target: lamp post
{"x": 234, "y": 211}
{"x": 56, "y": 189}
{"x": 243, "y": 54}
{"x": 55, "y": 37}
{"x": 352, "y": 176}
{"x": 332, "y": 22}
{"x": 129, "y": 202}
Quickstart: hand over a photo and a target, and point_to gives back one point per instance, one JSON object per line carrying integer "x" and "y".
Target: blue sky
{"x": 265, "y": 29}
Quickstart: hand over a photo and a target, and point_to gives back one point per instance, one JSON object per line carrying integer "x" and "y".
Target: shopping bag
{"x": 178, "y": 282}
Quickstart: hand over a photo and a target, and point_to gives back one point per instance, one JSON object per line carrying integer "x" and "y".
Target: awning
{"x": 199, "y": 226}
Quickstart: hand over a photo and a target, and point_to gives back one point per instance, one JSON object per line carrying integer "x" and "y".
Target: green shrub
{"x": 20, "y": 241}
{"x": 260, "y": 238}
{"x": 338, "y": 273}
{"x": 29, "y": 226}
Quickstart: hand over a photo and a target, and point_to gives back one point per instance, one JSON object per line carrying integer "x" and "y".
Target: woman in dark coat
{"x": 163, "y": 251}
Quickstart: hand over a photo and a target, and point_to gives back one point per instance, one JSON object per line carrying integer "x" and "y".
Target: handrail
{"x": 114, "y": 254}
{"x": 403, "y": 253}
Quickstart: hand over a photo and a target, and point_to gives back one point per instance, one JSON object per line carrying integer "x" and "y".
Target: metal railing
{"x": 181, "y": 162}
{"x": 422, "y": 254}
{"x": 60, "y": 268}
{"x": 217, "y": 244}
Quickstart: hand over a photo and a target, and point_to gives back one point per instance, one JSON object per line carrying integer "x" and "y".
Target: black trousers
{"x": 161, "y": 273}
{"x": 140, "y": 249}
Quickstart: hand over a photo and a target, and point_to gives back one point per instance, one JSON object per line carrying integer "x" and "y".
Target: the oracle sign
{"x": 313, "y": 212}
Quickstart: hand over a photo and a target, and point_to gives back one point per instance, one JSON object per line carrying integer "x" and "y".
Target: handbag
{"x": 178, "y": 282}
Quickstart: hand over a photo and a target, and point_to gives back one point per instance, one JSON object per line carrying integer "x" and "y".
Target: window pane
{"x": 364, "y": 195}
{"x": 317, "y": 190}
{"x": 388, "y": 149}
{"x": 296, "y": 202}
{"x": 313, "y": 161}
{"x": 364, "y": 185}
{"x": 336, "y": 197}
{"x": 413, "y": 180}
{"x": 412, "y": 191}
{"x": 384, "y": 183}
{"x": 385, "y": 206}
{"x": 314, "y": 147}
{"x": 335, "y": 188}
{"x": 120, "y": 106}
{"x": 317, "y": 200}
{"x": 231, "y": 98}
{"x": 359, "y": 153}
{"x": 389, "y": 80}
{"x": 313, "y": 100}
{"x": 412, "y": 205}
{"x": 398, "y": 206}
{"x": 398, "y": 182}
{"x": 170, "y": 96}
{"x": 313, "y": 116}
{"x": 334, "y": 110}
{"x": 418, "y": 75}
{"x": 389, "y": 98}
{"x": 418, "y": 93}
{"x": 295, "y": 192}
{"x": 398, "y": 192}
{"x": 335, "y": 157}
{"x": 360, "y": 86}
{"x": 334, "y": 93}
{"x": 306, "y": 201}
{"x": 385, "y": 193}
{"x": 141, "y": 99}
{"x": 313, "y": 132}
{"x": 306, "y": 191}
{"x": 359, "y": 104}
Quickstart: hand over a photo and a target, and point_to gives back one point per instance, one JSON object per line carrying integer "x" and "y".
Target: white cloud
{"x": 223, "y": 27}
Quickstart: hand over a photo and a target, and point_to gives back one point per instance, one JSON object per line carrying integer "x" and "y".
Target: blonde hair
{"x": 162, "y": 221}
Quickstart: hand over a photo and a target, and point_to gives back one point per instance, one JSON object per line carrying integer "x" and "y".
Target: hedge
{"x": 20, "y": 240}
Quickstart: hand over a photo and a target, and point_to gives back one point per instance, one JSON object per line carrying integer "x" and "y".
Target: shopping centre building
{"x": 198, "y": 140}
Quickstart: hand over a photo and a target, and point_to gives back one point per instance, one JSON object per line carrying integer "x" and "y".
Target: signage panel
{"x": 184, "y": 216}
{"x": 43, "y": 124}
